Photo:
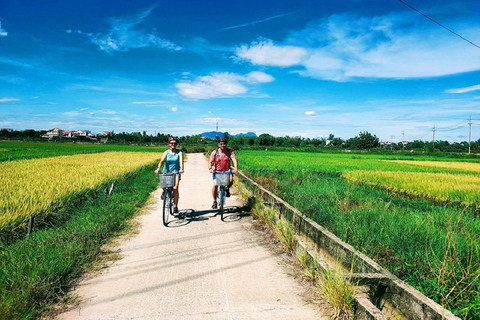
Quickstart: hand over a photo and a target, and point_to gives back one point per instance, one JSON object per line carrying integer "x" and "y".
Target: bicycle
{"x": 167, "y": 181}
{"x": 222, "y": 180}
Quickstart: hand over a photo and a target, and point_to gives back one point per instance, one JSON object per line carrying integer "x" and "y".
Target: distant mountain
{"x": 248, "y": 134}
{"x": 213, "y": 134}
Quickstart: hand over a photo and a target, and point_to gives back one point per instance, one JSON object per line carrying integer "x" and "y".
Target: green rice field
{"x": 418, "y": 218}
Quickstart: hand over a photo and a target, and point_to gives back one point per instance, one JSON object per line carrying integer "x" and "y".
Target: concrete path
{"x": 197, "y": 268}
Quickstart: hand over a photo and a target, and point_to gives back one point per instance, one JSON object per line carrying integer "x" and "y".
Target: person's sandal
{"x": 214, "y": 205}
{"x": 175, "y": 210}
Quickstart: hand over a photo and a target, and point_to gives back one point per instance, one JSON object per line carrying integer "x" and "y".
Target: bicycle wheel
{"x": 221, "y": 200}
{"x": 167, "y": 206}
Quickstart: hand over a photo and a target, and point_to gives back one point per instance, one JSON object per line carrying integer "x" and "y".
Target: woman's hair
{"x": 170, "y": 139}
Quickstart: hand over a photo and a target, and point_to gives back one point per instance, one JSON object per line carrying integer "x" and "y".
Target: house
{"x": 55, "y": 133}
{"x": 84, "y": 134}
{"x": 68, "y": 134}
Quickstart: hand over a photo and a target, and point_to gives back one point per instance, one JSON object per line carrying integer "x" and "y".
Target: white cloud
{"x": 216, "y": 120}
{"x": 345, "y": 47}
{"x": 122, "y": 36}
{"x": 265, "y": 52}
{"x": 106, "y": 112}
{"x": 148, "y": 102}
{"x": 259, "y": 77}
{"x": 220, "y": 85}
{"x": 464, "y": 90}
{"x": 310, "y": 113}
{"x": 3, "y": 100}
{"x": 257, "y": 21}
{"x": 3, "y": 33}
{"x": 174, "y": 109}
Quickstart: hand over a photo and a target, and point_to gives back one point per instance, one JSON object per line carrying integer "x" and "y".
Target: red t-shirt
{"x": 222, "y": 161}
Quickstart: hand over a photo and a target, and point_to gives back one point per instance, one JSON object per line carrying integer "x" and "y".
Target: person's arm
{"x": 182, "y": 165}
{"x": 211, "y": 162}
{"x": 164, "y": 156}
{"x": 235, "y": 162}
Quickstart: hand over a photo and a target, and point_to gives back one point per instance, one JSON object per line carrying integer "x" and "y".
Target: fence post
{"x": 111, "y": 188}
{"x": 30, "y": 225}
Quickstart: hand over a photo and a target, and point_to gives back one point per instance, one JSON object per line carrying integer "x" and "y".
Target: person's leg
{"x": 163, "y": 193}
{"x": 229, "y": 185}
{"x": 214, "y": 195}
{"x": 176, "y": 194}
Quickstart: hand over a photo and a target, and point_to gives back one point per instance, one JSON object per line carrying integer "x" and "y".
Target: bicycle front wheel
{"x": 221, "y": 198}
{"x": 167, "y": 207}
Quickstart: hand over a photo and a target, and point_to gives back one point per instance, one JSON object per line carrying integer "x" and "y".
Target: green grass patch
{"x": 40, "y": 269}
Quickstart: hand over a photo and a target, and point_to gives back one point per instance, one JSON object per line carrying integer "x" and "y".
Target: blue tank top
{"x": 172, "y": 161}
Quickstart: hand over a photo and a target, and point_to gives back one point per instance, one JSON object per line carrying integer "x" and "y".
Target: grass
{"x": 435, "y": 248}
{"x": 40, "y": 269}
{"x": 338, "y": 291}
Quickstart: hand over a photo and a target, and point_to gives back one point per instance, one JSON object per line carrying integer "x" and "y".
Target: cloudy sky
{"x": 300, "y": 68}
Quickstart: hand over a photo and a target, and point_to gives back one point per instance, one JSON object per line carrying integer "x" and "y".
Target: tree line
{"x": 364, "y": 141}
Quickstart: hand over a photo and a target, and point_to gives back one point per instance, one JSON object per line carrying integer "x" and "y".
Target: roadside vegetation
{"x": 431, "y": 243}
{"x": 39, "y": 188}
{"x": 40, "y": 269}
{"x": 75, "y": 209}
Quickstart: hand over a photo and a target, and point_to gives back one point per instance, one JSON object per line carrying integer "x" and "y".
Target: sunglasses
{"x": 222, "y": 144}
{"x": 173, "y": 143}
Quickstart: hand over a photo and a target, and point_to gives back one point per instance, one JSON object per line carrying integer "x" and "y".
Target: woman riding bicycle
{"x": 220, "y": 161}
{"x": 173, "y": 160}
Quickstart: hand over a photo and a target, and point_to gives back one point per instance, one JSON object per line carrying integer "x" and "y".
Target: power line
{"x": 441, "y": 25}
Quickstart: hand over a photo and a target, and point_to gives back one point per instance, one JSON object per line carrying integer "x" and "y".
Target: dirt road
{"x": 197, "y": 268}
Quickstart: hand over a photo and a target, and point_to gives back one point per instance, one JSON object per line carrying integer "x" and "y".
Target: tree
{"x": 266, "y": 140}
{"x": 367, "y": 141}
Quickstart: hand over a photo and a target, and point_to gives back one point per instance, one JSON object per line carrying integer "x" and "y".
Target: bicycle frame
{"x": 221, "y": 190}
{"x": 168, "y": 181}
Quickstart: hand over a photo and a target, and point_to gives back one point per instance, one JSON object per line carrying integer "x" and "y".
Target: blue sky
{"x": 299, "y": 68}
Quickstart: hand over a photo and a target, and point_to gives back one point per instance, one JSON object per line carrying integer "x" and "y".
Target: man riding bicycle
{"x": 220, "y": 160}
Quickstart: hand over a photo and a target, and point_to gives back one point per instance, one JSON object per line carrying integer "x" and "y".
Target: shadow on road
{"x": 187, "y": 216}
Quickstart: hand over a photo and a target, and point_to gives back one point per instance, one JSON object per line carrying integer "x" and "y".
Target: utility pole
{"x": 469, "y": 134}
{"x": 433, "y": 140}
{"x": 403, "y": 140}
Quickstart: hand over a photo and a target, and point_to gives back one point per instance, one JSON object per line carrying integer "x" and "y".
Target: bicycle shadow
{"x": 187, "y": 216}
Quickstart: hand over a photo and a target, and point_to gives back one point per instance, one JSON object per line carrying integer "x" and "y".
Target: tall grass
{"x": 38, "y": 270}
{"x": 338, "y": 291}
{"x": 434, "y": 248}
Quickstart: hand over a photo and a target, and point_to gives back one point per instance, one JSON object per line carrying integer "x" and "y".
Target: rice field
{"x": 439, "y": 187}
{"x": 39, "y": 187}
{"x": 419, "y": 219}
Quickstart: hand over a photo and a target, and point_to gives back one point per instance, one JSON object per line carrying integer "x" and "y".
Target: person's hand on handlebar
{"x": 157, "y": 171}
{"x": 181, "y": 171}
{"x": 234, "y": 170}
